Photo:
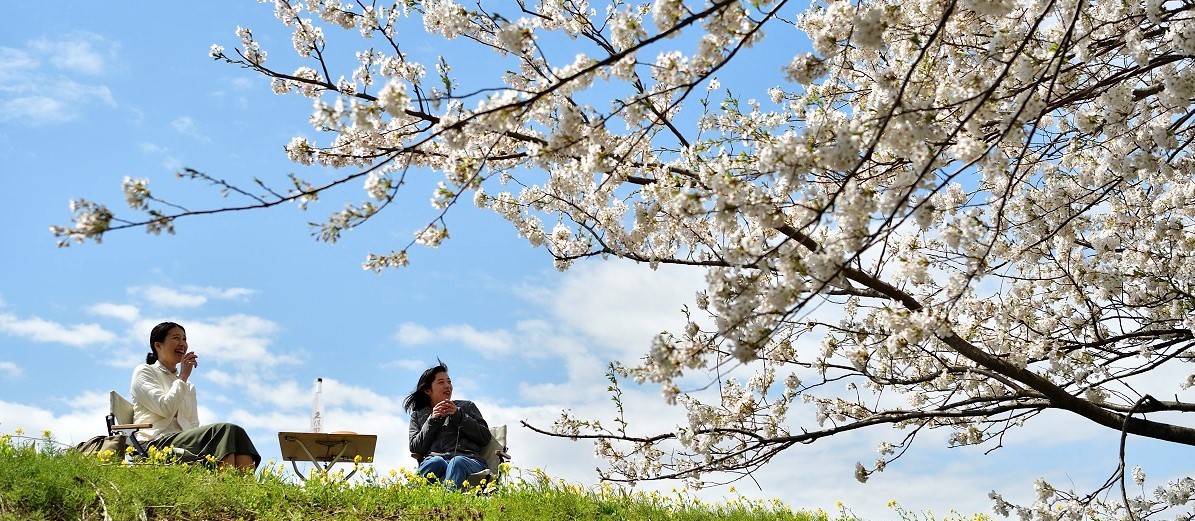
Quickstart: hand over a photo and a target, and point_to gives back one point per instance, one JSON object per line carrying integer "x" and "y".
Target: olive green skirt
{"x": 217, "y": 440}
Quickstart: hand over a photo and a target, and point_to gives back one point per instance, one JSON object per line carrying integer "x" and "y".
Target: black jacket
{"x": 464, "y": 433}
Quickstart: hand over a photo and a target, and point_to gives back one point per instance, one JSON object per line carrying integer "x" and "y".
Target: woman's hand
{"x": 444, "y": 408}
{"x": 189, "y": 361}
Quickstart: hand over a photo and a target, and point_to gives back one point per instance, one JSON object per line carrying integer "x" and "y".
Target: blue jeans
{"x": 454, "y": 470}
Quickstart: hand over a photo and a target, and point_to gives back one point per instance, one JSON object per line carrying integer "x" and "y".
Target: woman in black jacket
{"x": 446, "y": 435}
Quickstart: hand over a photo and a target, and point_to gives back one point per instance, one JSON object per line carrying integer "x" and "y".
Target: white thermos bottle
{"x": 317, "y": 407}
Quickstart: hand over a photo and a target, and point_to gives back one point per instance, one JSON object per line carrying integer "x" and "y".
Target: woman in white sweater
{"x": 163, "y": 397}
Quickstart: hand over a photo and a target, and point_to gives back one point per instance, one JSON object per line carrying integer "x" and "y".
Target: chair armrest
{"x": 132, "y": 426}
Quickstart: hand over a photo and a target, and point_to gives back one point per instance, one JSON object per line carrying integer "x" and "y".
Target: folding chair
{"x": 120, "y": 422}
{"x": 494, "y": 454}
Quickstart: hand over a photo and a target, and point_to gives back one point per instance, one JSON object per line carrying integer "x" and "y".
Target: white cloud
{"x": 80, "y": 93}
{"x": 235, "y": 339}
{"x": 48, "y": 110}
{"x": 14, "y": 63}
{"x": 170, "y": 297}
{"x": 246, "y": 83}
{"x": 35, "y": 109}
{"x": 172, "y": 164}
{"x": 10, "y": 371}
{"x": 124, "y": 358}
{"x": 487, "y": 343}
{"x": 124, "y": 312}
{"x": 82, "y": 419}
{"x": 257, "y": 388}
{"x": 152, "y": 148}
{"x": 241, "y": 294}
{"x": 186, "y": 126}
{"x": 621, "y": 305}
{"x": 584, "y": 365}
{"x": 189, "y": 296}
{"x": 37, "y": 96}
{"x": 40, "y": 330}
{"x": 183, "y": 124}
{"x": 80, "y": 53}
{"x": 598, "y": 313}
{"x": 408, "y": 364}
{"x": 413, "y": 334}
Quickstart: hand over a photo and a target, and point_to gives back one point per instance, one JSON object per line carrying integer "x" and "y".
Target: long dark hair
{"x": 418, "y": 398}
{"x": 158, "y": 334}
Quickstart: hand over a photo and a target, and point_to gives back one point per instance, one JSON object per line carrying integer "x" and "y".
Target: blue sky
{"x": 91, "y": 93}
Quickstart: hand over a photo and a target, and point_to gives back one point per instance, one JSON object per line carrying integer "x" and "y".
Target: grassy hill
{"x": 40, "y": 479}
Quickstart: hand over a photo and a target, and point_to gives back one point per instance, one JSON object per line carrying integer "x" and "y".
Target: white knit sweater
{"x": 160, "y": 398}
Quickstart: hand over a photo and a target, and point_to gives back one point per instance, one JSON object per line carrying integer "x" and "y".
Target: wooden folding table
{"x": 325, "y": 449}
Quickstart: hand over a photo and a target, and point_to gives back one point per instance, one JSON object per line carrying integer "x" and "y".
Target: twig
{"x": 1145, "y": 404}
{"x": 103, "y": 504}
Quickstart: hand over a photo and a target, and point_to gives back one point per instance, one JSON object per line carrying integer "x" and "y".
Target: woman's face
{"x": 441, "y": 388}
{"x": 171, "y": 350}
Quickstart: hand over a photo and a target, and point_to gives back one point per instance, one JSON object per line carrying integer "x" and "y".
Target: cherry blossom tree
{"x": 994, "y": 197}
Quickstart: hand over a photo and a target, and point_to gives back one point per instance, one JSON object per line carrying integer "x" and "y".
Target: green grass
{"x": 40, "y": 479}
